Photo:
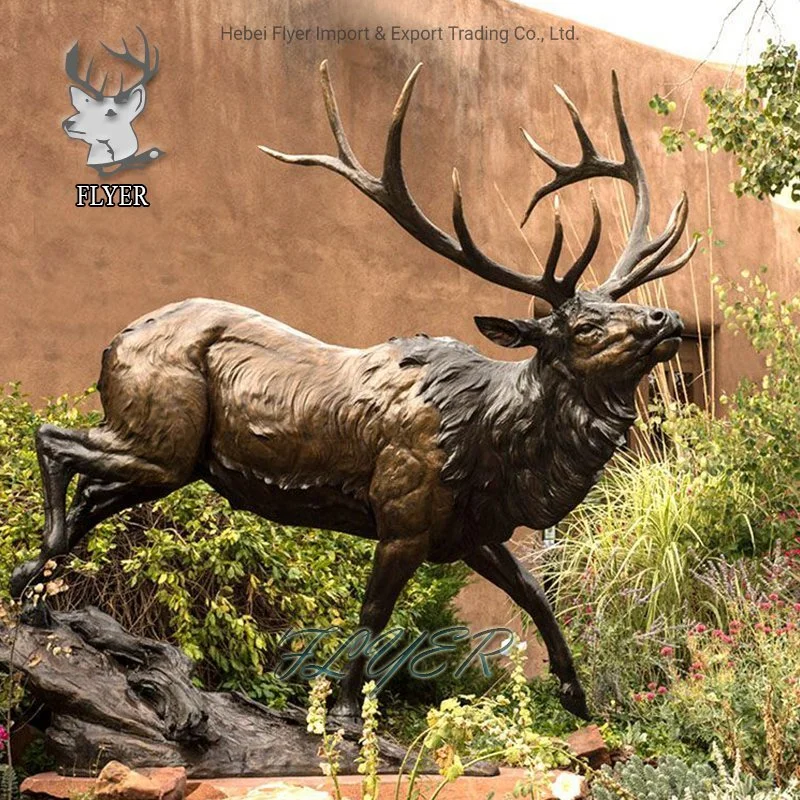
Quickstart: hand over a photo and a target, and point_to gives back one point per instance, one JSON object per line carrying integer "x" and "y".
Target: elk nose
{"x": 68, "y": 123}
{"x": 657, "y": 318}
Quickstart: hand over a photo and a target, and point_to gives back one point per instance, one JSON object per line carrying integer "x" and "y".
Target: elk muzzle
{"x": 666, "y": 327}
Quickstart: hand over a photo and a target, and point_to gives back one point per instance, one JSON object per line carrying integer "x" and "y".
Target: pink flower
{"x": 652, "y": 685}
{"x": 3, "y": 736}
{"x": 662, "y": 689}
{"x": 796, "y": 607}
{"x": 765, "y": 605}
{"x": 650, "y": 696}
{"x": 700, "y": 628}
{"x": 667, "y": 651}
{"x": 637, "y": 697}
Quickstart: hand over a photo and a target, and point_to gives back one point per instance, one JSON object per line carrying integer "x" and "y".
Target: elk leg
{"x": 56, "y": 477}
{"x": 395, "y": 562}
{"x": 497, "y": 564}
{"x": 94, "y": 453}
{"x": 97, "y": 500}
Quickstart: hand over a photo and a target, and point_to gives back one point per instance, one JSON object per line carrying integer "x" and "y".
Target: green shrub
{"x": 757, "y": 121}
{"x": 745, "y": 465}
{"x": 221, "y": 584}
{"x": 622, "y": 573}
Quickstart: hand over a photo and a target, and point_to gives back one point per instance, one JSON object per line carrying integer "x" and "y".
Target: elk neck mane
{"x": 524, "y": 439}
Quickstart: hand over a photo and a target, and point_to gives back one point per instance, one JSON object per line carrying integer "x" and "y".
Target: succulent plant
{"x": 670, "y": 779}
{"x": 9, "y": 785}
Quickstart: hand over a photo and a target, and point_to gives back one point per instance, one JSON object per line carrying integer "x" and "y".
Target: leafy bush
{"x": 9, "y": 785}
{"x": 759, "y": 122}
{"x": 221, "y": 584}
{"x": 736, "y": 784}
{"x": 746, "y": 465}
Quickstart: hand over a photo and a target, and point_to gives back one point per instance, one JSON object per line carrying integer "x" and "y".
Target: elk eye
{"x": 587, "y": 327}
{"x": 111, "y": 113}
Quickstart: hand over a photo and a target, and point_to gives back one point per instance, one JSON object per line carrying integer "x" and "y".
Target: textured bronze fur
{"x": 322, "y": 434}
{"x": 423, "y": 444}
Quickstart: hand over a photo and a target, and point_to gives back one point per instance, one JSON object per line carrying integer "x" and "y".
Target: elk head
{"x": 588, "y": 336}
{"x": 105, "y": 122}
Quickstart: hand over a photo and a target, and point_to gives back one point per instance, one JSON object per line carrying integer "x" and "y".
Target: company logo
{"x": 105, "y": 121}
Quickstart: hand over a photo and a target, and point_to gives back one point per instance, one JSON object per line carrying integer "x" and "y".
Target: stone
{"x": 54, "y": 786}
{"x": 589, "y": 745}
{"x": 200, "y": 790}
{"x": 118, "y": 782}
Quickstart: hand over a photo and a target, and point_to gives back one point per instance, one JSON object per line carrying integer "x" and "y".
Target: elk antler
{"x": 390, "y": 192}
{"x": 148, "y": 69}
{"x": 638, "y": 261}
{"x": 85, "y": 83}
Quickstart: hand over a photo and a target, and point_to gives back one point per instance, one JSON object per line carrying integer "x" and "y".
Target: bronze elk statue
{"x": 423, "y": 444}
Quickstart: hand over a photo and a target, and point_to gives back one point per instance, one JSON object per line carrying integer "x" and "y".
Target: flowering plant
{"x": 739, "y": 683}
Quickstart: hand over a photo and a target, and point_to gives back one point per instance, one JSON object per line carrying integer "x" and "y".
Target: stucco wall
{"x": 226, "y": 221}
{"x": 299, "y": 244}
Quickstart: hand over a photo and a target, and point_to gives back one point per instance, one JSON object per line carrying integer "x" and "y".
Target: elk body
{"x": 422, "y": 444}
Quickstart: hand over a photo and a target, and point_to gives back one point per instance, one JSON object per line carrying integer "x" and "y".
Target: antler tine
{"x": 637, "y": 246}
{"x": 549, "y": 275}
{"x": 574, "y": 273}
{"x": 390, "y": 191}
{"x": 393, "y": 176}
{"x": 646, "y": 271}
{"x": 487, "y": 268}
{"x": 346, "y": 153}
{"x": 148, "y": 70}
{"x": 590, "y": 165}
{"x": 71, "y": 68}
{"x": 346, "y": 163}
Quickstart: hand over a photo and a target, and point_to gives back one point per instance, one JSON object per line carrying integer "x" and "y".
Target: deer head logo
{"x": 105, "y": 122}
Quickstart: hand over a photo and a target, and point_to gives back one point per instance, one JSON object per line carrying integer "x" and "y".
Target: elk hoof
{"x": 346, "y": 714}
{"x": 573, "y": 699}
{"x": 37, "y": 615}
{"x": 23, "y": 576}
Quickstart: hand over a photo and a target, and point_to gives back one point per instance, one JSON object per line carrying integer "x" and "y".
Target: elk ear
{"x": 135, "y": 102}
{"x": 511, "y": 332}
